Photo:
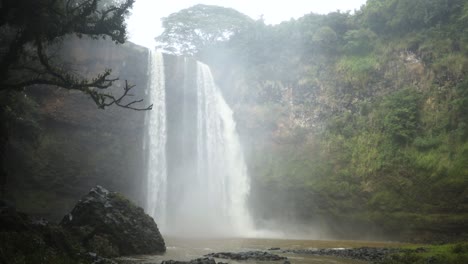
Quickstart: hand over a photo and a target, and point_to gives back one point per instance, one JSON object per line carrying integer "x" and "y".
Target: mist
{"x": 249, "y": 131}
{"x": 297, "y": 89}
{"x": 197, "y": 177}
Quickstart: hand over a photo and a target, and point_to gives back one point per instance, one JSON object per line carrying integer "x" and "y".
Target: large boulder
{"x": 109, "y": 224}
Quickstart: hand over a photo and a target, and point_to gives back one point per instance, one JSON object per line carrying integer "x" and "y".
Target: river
{"x": 185, "y": 249}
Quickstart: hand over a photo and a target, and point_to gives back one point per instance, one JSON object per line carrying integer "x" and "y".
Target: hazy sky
{"x": 144, "y": 23}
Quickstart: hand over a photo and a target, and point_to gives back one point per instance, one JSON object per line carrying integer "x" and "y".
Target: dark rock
{"x": 11, "y": 220}
{"x": 431, "y": 260}
{"x": 286, "y": 262}
{"x": 193, "y": 261}
{"x": 22, "y": 237}
{"x": 109, "y": 224}
{"x": 249, "y": 255}
{"x": 274, "y": 248}
{"x": 364, "y": 253}
{"x": 102, "y": 147}
{"x": 96, "y": 259}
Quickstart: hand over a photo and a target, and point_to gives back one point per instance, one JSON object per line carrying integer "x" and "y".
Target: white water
{"x": 215, "y": 185}
{"x": 156, "y": 142}
{"x": 221, "y": 168}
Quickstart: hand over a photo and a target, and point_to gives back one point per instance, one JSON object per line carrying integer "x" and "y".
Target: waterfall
{"x": 221, "y": 168}
{"x": 156, "y": 142}
{"x": 197, "y": 177}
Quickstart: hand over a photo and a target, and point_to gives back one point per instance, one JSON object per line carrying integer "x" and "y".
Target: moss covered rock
{"x": 25, "y": 240}
{"x": 109, "y": 224}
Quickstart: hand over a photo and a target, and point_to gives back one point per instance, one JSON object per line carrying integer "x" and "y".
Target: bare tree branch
{"x": 105, "y": 100}
{"x": 27, "y": 60}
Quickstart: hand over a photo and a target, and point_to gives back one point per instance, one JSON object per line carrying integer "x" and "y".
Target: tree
{"x": 360, "y": 41}
{"x": 32, "y": 30}
{"x": 190, "y": 30}
{"x": 404, "y": 16}
{"x": 400, "y": 115}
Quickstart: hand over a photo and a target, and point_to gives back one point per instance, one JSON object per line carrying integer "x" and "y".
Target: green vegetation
{"x": 33, "y": 45}
{"x": 196, "y": 28}
{"x": 33, "y": 34}
{"x": 443, "y": 254}
{"x": 24, "y": 241}
{"x": 29, "y": 247}
{"x": 359, "y": 118}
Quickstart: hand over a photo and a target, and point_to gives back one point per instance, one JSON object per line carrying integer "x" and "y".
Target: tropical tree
{"x": 33, "y": 30}
{"x": 193, "y": 29}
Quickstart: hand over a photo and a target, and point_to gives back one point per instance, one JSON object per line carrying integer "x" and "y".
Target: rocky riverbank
{"x": 102, "y": 225}
{"x": 193, "y": 261}
{"x": 363, "y": 253}
{"x": 263, "y": 251}
{"x": 248, "y": 255}
{"x": 371, "y": 255}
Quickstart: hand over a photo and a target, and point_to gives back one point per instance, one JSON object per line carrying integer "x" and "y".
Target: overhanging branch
{"x": 27, "y": 61}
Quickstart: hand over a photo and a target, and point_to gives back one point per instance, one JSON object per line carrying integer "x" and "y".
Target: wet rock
{"x": 22, "y": 237}
{"x": 109, "y": 224}
{"x": 193, "y": 261}
{"x": 249, "y": 255}
{"x": 364, "y": 253}
{"x": 96, "y": 259}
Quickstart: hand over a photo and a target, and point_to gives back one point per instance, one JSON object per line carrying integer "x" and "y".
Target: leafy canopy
{"x": 33, "y": 30}
{"x": 193, "y": 29}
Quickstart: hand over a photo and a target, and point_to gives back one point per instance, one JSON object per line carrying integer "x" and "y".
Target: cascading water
{"x": 156, "y": 142}
{"x": 197, "y": 177}
{"x": 221, "y": 171}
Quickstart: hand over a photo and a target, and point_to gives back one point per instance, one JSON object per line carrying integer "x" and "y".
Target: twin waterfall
{"x": 197, "y": 182}
{"x": 156, "y": 140}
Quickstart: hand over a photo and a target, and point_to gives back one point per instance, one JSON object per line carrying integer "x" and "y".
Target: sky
{"x": 144, "y": 24}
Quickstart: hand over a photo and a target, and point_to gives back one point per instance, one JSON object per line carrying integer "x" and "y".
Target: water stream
{"x": 156, "y": 142}
{"x": 184, "y": 249}
{"x": 197, "y": 178}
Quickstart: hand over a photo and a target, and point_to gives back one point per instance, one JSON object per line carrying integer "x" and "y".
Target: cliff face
{"x": 78, "y": 145}
{"x": 366, "y": 132}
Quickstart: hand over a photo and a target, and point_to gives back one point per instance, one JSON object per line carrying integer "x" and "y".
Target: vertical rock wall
{"x": 79, "y": 145}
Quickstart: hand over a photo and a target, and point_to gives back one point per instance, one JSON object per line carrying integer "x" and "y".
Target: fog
{"x": 275, "y": 126}
{"x": 197, "y": 176}
{"x": 144, "y": 24}
{"x": 199, "y": 183}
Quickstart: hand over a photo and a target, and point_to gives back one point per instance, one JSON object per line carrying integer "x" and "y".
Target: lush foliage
{"x": 443, "y": 254}
{"x": 32, "y": 36}
{"x": 357, "y": 117}
{"x": 192, "y": 29}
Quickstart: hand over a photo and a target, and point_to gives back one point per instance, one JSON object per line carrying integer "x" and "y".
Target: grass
{"x": 434, "y": 254}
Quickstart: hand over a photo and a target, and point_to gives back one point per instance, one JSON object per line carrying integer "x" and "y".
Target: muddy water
{"x": 187, "y": 249}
